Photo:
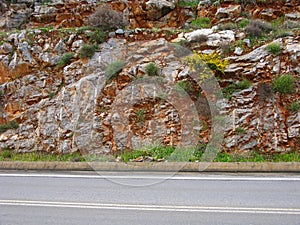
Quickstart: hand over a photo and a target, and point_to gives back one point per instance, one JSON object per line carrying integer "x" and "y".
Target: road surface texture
{"x": 148, "y": 198}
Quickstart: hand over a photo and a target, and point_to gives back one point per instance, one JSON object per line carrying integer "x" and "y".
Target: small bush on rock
{"x": 284, "y": 84}
{"x": 202, "y": 22}
{"x": 235, "y": 87}
{"x": 151, "y": 69}
{"x": 97, "y": 36}
{"x": 114, "y": 69}
{"x": 106, "y": 18}
{"x": 294, "y": 107}
{"x": 87, "y": 51}
{"x": 258, "y": 28}
{"x": 10, "y": 125}
{"x": 65, "y": 59}
{"x": 274, "y": 48}
{"x": 212, "y": 60}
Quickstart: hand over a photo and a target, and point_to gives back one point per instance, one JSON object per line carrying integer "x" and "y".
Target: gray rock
{"x": 44, "y": 9}
{"x": 6, "y": 48}
{"x": 255, "y": 55}
{"x": 24, "y": 48}
{"x": 292, "y": 16}
{"x": 238, "y": 51}
{"x": 252, "y": 144}
{"x": 77, "y": 44}
{"x": 195, "y": 35}
{"x": 293, "y": 48}
{"x": 60, "y": 47}
{"x": 120, "y": 31}
{"x": 158, "y": 8}
{"x": 204, "y": 3}
{"x": 230, "y": 11}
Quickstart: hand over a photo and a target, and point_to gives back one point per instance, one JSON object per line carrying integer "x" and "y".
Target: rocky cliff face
{"x": 77, "y": 105}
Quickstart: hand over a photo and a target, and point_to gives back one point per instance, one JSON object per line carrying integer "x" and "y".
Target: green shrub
{"x": 141, "y": 115}
{"x": 114, "y": 69}
{"x": 240, "y": 130}
{"x": 87, "y": 51}
{"x": 235, "y": 87}
{"x": 65, "y": 59}
{"x": 243, "y": 84}
{"x": 202, "y": 22}
{"x": 6, "y": 153}
{"x": 151, "y": 69}
{"x": 243, "y": 23}
{"x": 274, "y": 48}
{"x": 284, "y": 84}
{"x": 227, "y": 26}
{"x": 188, "y": 3}
{"x": 106, "y": 18}
{"x": 97, "y": 36}
{"x": 10, "y": 125}
{"x": 294, "y": 107}
{"x": 183, "y": 87}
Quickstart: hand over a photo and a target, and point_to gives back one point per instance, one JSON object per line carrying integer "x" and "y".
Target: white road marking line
{"x": 168, "y": 177}
{"x": 171, "y": 208}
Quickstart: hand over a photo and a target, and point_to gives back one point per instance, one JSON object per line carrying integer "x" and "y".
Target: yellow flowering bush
{"x": 212, "y": 60}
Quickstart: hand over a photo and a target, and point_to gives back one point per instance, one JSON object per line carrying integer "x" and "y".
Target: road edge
{"x": 156, "y": 166}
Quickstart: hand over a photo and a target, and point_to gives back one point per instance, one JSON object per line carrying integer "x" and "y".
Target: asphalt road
{"x": 145, "y": 198}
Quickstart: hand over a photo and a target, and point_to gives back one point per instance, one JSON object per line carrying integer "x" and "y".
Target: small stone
{"x": 6, "y": 48}
{"x": 247, "y": 42}
{"x": 238, "y": 51}
{"x": 77, "y": 44}
{"x": 120, "y": 31}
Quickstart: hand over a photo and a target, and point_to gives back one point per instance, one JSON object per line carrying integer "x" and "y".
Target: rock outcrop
{"x": 79, "y": 107}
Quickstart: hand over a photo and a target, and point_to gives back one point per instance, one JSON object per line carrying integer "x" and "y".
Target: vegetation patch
{"x": 97, "y": 36}
{"x": 183, "y": 87}
{"x": 10, "y": 125}
{"x": 11, "y": 155}
{"x": 274, "y": 48}
{"x": 65, "y": 59}
{"x": 294, "y": 107}
{"x": 202, "y": 22}
{"x": 227, "y": 26}
{"x": 151, "y": 69}
{"x": 87, "y": 51}
{"x": 141, "y": 115}
{"x": 283, "y": 84}
{"x": 254, "y": 156}
{"x": 155, "y": 153}
{"x": 235, "y": 87}
{"x": 258, "y": 28}
{"x": 188, "y": 3}
{"x": 243, "y": 23}
{"x": 212, "y": 60}
{"x": 114, "y": 69}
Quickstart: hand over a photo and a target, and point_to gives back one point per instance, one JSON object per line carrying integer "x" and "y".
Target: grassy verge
{"x": 9, "y": 155}
{"x": 153, "y": 154}
{"x": 192, "y": 155}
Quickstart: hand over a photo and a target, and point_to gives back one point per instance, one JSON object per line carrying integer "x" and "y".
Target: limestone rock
{"x": 158, "y": 8}
{"x": 231, "y": 11}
